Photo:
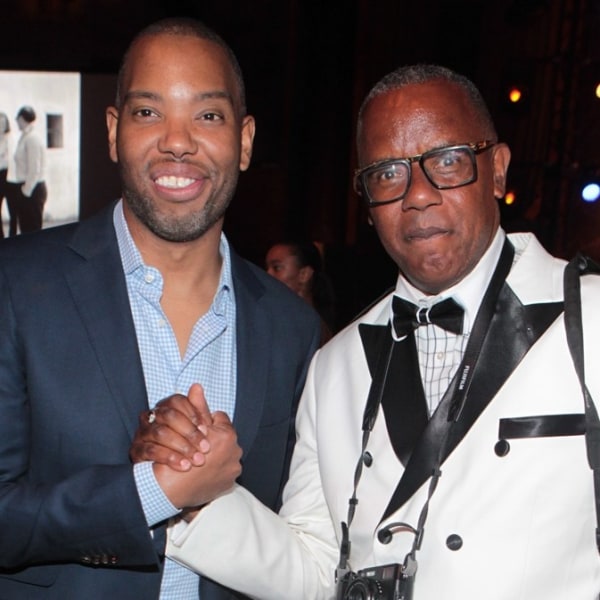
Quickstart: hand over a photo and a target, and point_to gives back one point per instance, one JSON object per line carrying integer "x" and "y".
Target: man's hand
{"x": 196, "y": 453}
{"x": 204, "y": 483}
{"x": 177, "y": 434}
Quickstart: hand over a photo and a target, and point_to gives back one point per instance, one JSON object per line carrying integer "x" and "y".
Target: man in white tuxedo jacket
{"x": 453, "y": 448}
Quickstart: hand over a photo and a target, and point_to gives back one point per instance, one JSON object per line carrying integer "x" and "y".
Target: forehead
{"x": 279, "y": 252}
{"x": 166, "y": 61}
{"x": 415, "y": 118}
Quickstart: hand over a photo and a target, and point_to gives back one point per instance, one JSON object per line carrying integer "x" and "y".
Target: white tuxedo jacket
{"x": 508, "y": 521}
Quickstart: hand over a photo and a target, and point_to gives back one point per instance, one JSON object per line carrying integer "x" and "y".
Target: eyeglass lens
{"x": 445, "y": 168}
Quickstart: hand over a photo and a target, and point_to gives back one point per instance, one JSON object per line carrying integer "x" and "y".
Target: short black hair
{"x": 27, "y": 113}
{"x": 184, "y": 26}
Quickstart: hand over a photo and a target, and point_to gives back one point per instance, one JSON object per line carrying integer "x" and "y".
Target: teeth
{"x": 174, "y": 182}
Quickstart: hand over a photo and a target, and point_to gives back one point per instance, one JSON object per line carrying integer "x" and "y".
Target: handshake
{"x": 195, "y": 452}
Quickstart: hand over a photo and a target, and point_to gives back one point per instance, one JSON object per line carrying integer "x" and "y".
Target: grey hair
{"x": 425, "y": 73}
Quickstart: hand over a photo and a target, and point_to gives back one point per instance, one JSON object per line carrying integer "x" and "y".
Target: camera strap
{"x": 370, "y": 414}
{"x": 581, "y": 265}
{"x": 459, "y": 391}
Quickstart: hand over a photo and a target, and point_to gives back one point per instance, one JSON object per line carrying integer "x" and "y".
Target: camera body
{"x": 385, "y": 582}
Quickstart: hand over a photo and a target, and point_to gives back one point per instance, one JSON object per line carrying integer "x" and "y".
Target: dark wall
{"x": 99, "y": 182}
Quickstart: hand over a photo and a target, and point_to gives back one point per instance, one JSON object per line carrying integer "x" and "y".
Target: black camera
{"x": 387, "y": 582}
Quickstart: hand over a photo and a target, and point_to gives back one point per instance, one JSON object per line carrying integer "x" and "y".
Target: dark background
{"x": 307, "y": 66}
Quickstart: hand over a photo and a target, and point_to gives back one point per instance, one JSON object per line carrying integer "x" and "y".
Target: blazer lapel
{"x": 253, "y": 339}
{"x": 513, "y": 330}
{"x": 404, "y": 403}
{"x": 100, "y": 293}
{"x": 401, "y": 394}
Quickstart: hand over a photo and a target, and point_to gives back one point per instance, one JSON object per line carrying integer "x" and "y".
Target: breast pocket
{"x": 538, "y": 426}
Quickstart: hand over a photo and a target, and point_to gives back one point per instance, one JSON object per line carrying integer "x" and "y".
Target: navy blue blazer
{"x": 71, "y": 391}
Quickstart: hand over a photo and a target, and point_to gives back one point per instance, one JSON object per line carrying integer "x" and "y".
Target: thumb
{"x": 220, "y": 418}
{"x": 198, "y": 401}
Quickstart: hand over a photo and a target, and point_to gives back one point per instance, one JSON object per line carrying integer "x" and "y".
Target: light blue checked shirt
{"x": 210, "y": 359}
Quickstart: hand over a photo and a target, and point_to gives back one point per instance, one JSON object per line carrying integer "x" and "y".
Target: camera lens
{"x": 363, "y": 589}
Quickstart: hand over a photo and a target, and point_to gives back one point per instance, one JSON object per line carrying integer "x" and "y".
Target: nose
{"x": 178, "y": 138}
{"x": 421, "y": 192}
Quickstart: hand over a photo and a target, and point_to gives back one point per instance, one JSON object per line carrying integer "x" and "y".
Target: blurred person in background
{"x": 30, "y": 167}
{"x": 4, "y": 130}
{"x": 299, "y": 265}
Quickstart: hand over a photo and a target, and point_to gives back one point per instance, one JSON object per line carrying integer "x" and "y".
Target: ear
{"x": 112, "y": 120}
{"x": 501, "y": 160}
{"x": 305, "y": 274}
{"x": 248, "y": 129}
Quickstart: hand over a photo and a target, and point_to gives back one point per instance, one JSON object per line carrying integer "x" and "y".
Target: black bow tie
{"x": 447, "y": 314}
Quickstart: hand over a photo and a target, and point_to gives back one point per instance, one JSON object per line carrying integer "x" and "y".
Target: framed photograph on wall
{"x": 56, "y": 100}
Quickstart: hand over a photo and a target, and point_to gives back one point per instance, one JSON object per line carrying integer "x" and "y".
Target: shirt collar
{"x": 131, "y": 257}
{"x": 468, "y": 292}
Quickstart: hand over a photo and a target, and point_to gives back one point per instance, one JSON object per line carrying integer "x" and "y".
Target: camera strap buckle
{"x": 409, "y": 568}
{"x": 340, "y": 573}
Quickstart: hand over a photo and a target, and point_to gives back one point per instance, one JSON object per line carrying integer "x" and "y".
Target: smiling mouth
{"x": 173, "y": 182}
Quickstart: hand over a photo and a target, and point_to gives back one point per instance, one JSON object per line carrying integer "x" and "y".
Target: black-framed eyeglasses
{"x": 388, "y": 181}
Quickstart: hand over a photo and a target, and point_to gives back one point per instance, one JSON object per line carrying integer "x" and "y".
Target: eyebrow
{"x": 147, "y": 95}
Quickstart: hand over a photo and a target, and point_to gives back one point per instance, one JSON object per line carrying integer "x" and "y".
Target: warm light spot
{"x": 514, "y": 95}
{"x": 509, "y": 198}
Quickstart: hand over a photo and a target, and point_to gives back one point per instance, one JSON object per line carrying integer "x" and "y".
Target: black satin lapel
{"x": 375, "y": 341}
{"x": 513, "y": 330}
{"x": 404, "y": 404}
{"x": 403, "y": 399}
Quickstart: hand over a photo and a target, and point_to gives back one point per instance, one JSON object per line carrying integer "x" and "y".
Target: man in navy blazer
{"x": 78, "y": 365}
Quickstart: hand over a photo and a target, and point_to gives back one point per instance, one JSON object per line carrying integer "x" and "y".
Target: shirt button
{"x": 440, "y": 355}
{"x": 148, "y": 277}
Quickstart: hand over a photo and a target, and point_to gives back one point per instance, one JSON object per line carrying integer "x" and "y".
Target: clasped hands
{"x": 195, "y": 452}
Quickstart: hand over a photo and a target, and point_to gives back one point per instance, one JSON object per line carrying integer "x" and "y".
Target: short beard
{"x": 179, "y": 229}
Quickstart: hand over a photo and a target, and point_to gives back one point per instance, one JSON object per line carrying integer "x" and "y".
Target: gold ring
{"x": 152, "y": 417}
